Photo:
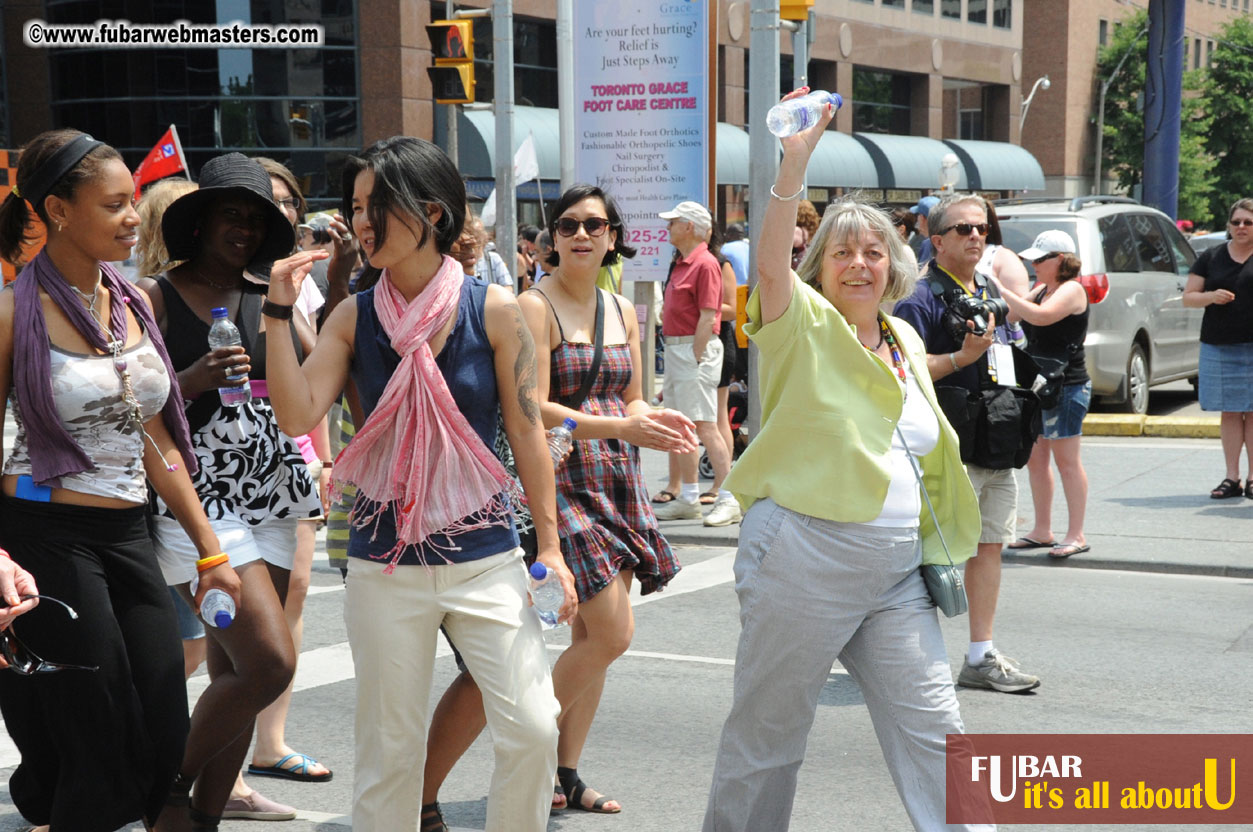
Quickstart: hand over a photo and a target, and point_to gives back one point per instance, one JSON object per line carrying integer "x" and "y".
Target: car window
{"x": 1154, "y": 250}
{"x": 1184, "y": 258}
{"x": 1119, "y": 244}
{"x": 1018, "y": 233}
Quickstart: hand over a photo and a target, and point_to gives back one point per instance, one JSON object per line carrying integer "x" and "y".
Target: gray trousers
{"x": 812, "y": 591}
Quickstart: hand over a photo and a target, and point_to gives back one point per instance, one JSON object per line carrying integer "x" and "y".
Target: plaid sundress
{"x": 604, "y": 516}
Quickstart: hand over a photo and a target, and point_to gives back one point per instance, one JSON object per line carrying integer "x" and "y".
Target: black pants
{"x": 99, "y": 749}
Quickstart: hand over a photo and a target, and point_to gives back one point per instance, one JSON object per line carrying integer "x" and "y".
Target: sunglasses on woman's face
{"x": 1045, "y": 258}
{"x": 1238, "y": 223}
{"x": 594, "y": 226}
{"x": 24, "y": 661}
{"x": 963, "y": 229}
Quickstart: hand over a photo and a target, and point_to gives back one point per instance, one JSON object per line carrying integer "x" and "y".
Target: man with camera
{"x": 959, "y": 315}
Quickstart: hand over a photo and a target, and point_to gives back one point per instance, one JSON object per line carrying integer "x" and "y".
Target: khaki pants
{"x": 393, "y": 626}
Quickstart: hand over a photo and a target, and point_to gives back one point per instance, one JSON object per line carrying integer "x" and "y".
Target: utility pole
{"x": 506, "y": 190}
{"x": 1163, "y": 105}
{"x": 565, "y": 90}
{"x": 763, "y": 165}
{"x": 453, "y": 109}
{"x": 1100, "y": 110}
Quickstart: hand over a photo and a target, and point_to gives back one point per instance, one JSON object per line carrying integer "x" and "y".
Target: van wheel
{"x": 1137, "y": 400}
{"x": 706, "y": 468}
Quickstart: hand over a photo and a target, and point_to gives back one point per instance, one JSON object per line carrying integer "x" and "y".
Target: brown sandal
{"x": 708, "y": 498}
{"x": 662, "y": 497}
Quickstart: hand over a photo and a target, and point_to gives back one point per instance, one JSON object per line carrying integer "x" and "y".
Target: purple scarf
{"x": 53, "y": 452}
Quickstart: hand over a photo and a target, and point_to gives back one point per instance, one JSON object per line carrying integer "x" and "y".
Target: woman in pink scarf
{"x": 434, "y": 356}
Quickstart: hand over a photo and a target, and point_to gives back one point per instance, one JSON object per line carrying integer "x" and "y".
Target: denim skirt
{"x": 1227, "y": 377}
{"x": 1066, "y": 420}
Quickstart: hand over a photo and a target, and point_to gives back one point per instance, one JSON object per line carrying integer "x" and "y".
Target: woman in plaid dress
{"x": 608, "y": 532}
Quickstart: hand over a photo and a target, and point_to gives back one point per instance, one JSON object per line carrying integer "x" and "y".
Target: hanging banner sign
{"x": 642, "y": 128}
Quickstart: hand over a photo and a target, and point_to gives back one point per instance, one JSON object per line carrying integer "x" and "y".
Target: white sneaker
{"x": 677, "y": 510}
{"x": 725, "y": 512}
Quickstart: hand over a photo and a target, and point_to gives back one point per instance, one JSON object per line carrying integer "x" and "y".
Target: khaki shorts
{"x": 997, "y": 491}
{"x": 692, "y": 388}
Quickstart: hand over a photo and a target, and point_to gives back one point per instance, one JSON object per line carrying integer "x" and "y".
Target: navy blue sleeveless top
{"x": 468, "y": 366}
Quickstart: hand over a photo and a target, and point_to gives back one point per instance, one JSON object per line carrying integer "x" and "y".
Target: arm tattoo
{"x": 524, "y": 374}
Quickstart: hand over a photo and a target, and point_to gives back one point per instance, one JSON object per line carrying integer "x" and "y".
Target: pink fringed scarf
{"x": 417, "y": 454}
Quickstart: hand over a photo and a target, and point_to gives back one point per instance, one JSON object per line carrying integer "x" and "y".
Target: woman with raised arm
{"x": 835, "y": 527}
{"x": 98, "y": 409}
{"x": 433, "y": 354}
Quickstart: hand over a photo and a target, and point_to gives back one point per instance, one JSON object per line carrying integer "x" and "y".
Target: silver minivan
{"x": 1140, "y": 334}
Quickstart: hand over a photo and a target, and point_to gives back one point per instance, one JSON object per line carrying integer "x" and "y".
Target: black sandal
{"x": 1248, "y": 488}
{"x": 574, "y": 789}
{"x": 1227, "y": 488}
{"x": 201, "y": 822}
{"x": 432, "y": 818}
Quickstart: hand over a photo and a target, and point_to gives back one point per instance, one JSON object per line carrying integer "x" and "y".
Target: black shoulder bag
{"x": 575, "y": 401}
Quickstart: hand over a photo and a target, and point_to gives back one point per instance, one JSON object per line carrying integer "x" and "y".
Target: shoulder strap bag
{"x": 576, "y": 401}
{"x": 943, "y": 580}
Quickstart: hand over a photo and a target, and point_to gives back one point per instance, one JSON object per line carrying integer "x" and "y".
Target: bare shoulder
{"x": 626, "y": 307}
{"x": 342, "y": 322}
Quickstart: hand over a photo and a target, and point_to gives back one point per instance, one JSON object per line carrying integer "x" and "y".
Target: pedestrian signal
{"x": 795, "y": 9}
{"x": 452, "y": 45}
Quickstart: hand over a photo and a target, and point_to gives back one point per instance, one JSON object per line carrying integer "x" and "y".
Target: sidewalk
{"x": 1148, "y": 511}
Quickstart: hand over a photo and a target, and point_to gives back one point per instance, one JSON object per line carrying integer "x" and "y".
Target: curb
{"x": 1182, "y": 427}
{"x": 725, "y": 537}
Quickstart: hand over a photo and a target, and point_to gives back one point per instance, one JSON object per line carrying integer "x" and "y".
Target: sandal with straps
{"x": 1227, "y": 488}
{"x": 202, "y": 822}
{"x": 574, "y": 789}
{"x": 432, "y": 818}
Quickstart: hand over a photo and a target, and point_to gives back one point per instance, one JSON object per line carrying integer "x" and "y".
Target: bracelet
{"x": 952, "y": 357}
{"x": 276, "y": 310}
{"x": 328, "y": 463}
{"x": 205, "y": 564}
{"x": 791, "y": 198}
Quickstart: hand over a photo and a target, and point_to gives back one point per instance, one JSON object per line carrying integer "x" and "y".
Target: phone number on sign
{"x": 647, "y": 235}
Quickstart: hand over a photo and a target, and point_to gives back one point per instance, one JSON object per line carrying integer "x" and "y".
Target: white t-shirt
{"x": 921, "y": 428}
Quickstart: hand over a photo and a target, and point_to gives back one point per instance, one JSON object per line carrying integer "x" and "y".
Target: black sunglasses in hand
{"x": 22, "y": 660}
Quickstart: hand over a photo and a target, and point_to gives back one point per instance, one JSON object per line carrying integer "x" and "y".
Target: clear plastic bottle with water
{"x": 560, "y": 440}
{"x": 546, "y": 594}
{"x": 224, "y": 334}
{"x": 787, "y": 118}
{"x": 218, "y": 607}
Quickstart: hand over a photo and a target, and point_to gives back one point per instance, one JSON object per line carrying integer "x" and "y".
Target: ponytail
{"x": 15, "y": 222}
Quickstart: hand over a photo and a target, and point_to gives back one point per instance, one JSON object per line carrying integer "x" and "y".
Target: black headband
{"x": 47, "y": 175}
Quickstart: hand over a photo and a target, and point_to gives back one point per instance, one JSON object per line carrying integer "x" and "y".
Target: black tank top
{"x": 1062, "y": 340}
{"x": 187, "y": 339}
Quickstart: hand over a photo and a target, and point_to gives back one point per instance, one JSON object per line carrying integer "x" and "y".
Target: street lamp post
{"x": 1040, "y": 83}
{"x": 1100, "y": 109}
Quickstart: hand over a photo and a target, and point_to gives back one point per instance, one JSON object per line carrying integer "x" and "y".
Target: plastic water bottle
{"x": 787, "y": 118}
{"x": 224, "y": 334}
{"x": 217, "y": 609}
{"x": 546, "y": 593}
{"x": 560, "y": 440}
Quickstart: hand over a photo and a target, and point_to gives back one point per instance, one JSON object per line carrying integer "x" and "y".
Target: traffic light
{"x": 452, "y": 77}
{"x": 795, "y": 9}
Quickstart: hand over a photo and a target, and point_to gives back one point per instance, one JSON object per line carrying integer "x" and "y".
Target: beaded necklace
{"x": 898, "y": 361}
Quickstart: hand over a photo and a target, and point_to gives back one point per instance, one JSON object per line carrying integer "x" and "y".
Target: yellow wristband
{"x": 205, "y": 564}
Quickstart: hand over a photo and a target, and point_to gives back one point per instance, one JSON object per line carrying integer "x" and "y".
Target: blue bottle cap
{"x": 223, "y": 619}
{"x": 539, "y": 571}
{"x": 219, "y": 312}
{"x": 569, "y": 424}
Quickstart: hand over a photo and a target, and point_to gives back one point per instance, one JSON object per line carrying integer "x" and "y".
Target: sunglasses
{"x": 1045, "y": 258}
{"x": 24, "y": 661}
{"x": 963, "y": 229}
{"x": 594, "y": 226}
{"x": 1239, "y": 223}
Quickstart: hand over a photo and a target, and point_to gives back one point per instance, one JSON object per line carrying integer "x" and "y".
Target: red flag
{"x": 165, "y": 159}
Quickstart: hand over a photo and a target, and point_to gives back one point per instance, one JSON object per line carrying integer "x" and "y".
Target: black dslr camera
{"x": 963, "y": 308}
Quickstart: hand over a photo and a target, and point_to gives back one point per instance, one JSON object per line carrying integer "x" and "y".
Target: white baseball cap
{"x": 1052, "y": 241}
{"x": 693, "y": 212}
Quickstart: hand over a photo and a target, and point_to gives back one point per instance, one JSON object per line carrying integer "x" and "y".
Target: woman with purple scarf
{"x": 102, "y": 721}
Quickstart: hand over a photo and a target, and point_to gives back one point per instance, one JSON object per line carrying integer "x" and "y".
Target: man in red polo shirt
{"x": 692, "y": 312}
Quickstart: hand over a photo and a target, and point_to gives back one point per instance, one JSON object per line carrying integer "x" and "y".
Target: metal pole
{"x": 763, "y": 93}
{"x": 1100, "y": 110}
{"x": 800, "y": 55}
{"x": 1163, "y": 105}
{"x": 506, "y": 192}
{"x": 565, "y": 89}
{"x": 451, "y": 135}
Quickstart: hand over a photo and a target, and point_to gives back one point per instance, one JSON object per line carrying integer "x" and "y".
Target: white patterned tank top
{"x": 87, "y": 391}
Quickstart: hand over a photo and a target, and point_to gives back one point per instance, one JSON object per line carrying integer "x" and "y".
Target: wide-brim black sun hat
{"x": 233, "y": 174}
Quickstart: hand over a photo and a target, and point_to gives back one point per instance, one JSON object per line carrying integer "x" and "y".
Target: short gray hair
{"x": 847, "y": 219}
{"x": 937, "y": 220}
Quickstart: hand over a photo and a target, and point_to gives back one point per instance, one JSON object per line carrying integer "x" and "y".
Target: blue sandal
{"x": 300, "y": 771}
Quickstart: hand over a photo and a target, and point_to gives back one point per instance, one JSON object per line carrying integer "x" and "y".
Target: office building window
{"x": 894, "y": 4}
{"x": 926, "y": 7}
{"x": 951, "y": 8}
{"x": 1209, "y": 54}
{"x": 1196, "y": 53}
{"x": 977, "y": 11}
{"x": 1003, "y": 14}
{"x": 534, "y": 61}
{"x": 1102, "y": 32}
{"x": 880, "y": 101}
